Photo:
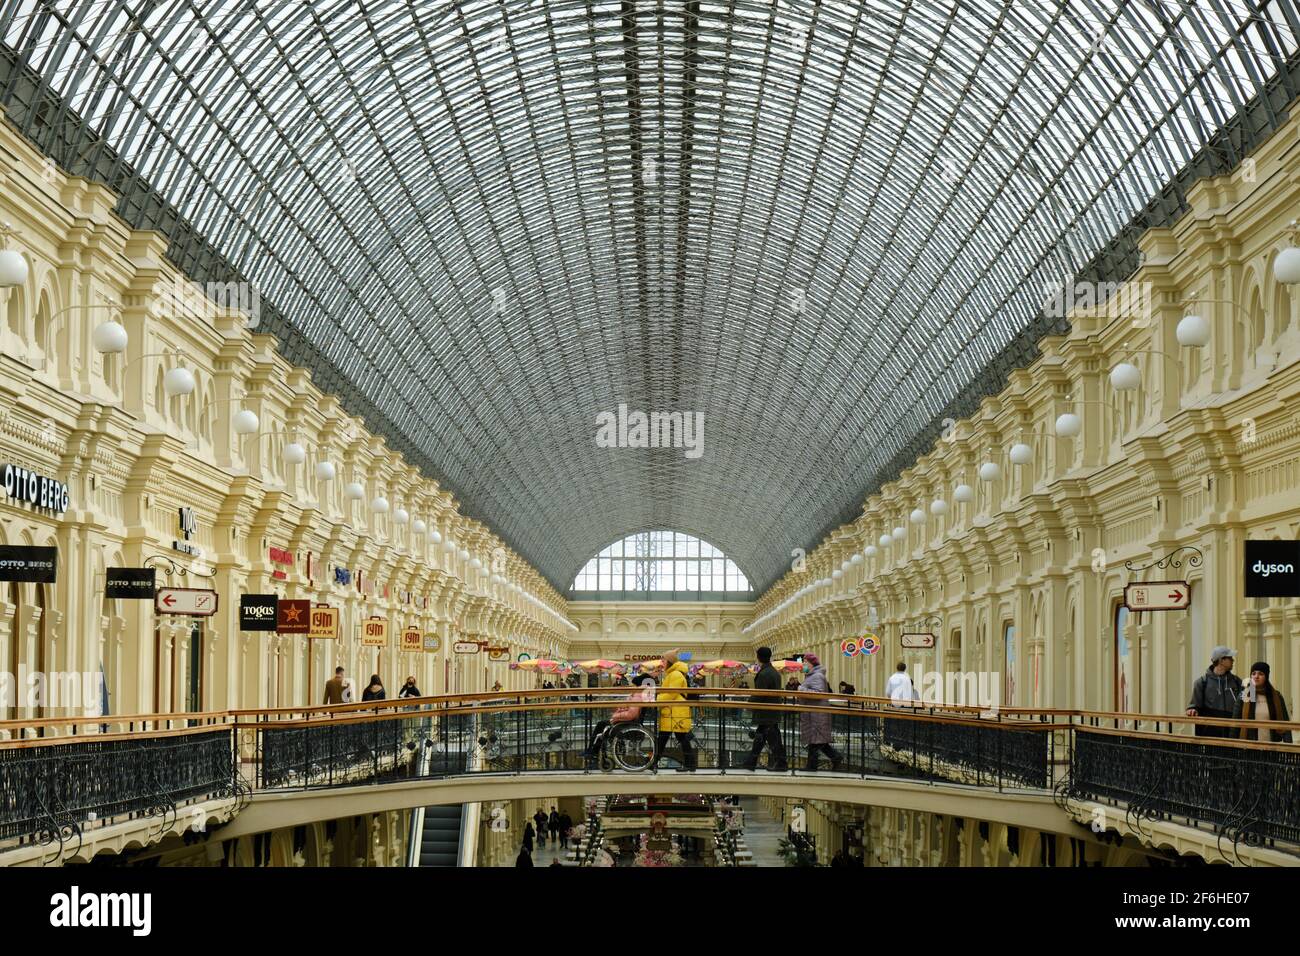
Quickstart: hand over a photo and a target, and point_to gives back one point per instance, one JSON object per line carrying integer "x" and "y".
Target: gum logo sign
{"x": 374, "y": 632}
{"x": 324, "y": 623}
{"x": 411, "y": 640}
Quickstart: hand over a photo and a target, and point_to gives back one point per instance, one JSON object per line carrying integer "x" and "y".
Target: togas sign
{"x": 35, "y": 490}
{"x": 258, "y": 612}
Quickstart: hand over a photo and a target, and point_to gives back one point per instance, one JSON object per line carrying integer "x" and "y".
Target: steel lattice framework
{"x": 824, "y": 225}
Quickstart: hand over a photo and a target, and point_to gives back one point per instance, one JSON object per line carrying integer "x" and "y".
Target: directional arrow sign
{"x": 1158, "y": 596}
{"x": 191, "y": 602}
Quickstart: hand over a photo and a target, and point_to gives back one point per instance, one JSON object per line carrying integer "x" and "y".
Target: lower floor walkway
{"x": 763, "y": 833}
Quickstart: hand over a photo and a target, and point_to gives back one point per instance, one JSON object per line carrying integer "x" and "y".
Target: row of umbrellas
{"x": 601, "y": 666}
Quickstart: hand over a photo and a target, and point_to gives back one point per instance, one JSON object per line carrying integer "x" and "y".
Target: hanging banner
{"x": 498, "y": 653}
{"x": 374, "y": 632}
{"x": 411, "y": 640}
{"x": 30, "y": 565}
{"x": 324, "y": 623}
{"x": 432, "y": 642}
{"x": 293, "y": 617}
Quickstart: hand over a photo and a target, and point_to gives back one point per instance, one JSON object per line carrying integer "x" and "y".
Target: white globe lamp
{"x": 1125, "y": 377}
{"x": 401, "y": 515}
{"x": 13, "y": 268}
{"x": 938, "y": 507}
{"x": 1021, "y": 454}
{"x": 294, "y": 453}
{"x": 244, "y": 422}
{"x": 354, "y": 491}
{"x": 1193, "y": 332}
{"x": 325, "y": 471}
{"x": 963, "y": 493}
{"x": 1069, "y": 425}
{"x": 178, "y": 381}
{"x": 900, "y": 533}
{"x": 379, "y": 504}
{"x": 109, "y": 338}
{"x": 1286, "y": 267}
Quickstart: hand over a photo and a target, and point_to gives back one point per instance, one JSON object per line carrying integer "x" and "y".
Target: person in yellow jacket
{"x": 675, "y": 720}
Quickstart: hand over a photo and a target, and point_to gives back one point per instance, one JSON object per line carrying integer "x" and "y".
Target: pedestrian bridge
{"x": 74, "y": 787}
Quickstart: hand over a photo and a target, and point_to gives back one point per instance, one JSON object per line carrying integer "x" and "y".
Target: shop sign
{"x": 1271, "y": 569}
{"x": 191, "y": 602}
{"x": 27, "y": 564}
{"x": 916, "y": 641}
{"x": 342, "y": 576}
{"x": 374, "y": 632}
{"x": 465, "y": 647}
{"x": 293, "y": 617}
{"x": 188, "y": 525}
{"x": 282, "y": 557}
{"x": 35, "y": 490}
{"x": 324, "y": 623}
{"x": 132, "y": 584}
{"x": 432, "y": 642}
{"x": 411, "y": 640}
{"x": 258, "y": 612}
{"x": 498, "y": 653}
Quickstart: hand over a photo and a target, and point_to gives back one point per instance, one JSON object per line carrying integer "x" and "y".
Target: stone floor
{"x": 762, "y": 832}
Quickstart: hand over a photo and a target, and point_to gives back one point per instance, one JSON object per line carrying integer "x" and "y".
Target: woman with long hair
{"x": 1261, "y": 701}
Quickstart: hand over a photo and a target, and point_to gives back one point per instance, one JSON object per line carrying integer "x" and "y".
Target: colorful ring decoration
{"x": 850, "y": 647}
{"x": 870, "y": 644}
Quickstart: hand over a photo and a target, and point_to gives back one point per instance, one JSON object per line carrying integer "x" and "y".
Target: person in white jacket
{"x": 899, "y": 687}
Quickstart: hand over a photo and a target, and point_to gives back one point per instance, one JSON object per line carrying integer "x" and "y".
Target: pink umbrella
{"x": 600, "y": 666}
{"x": 542, "y": 664}
{"x": 788, "y": 665}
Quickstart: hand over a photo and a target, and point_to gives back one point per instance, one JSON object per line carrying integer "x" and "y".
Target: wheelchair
{"x": 629, "y": 746}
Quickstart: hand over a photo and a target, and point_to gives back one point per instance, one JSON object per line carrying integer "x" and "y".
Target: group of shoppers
{"x": 557, "y": 825}
{"x": 339, "y": 690}
{"x": 814, "y": 728}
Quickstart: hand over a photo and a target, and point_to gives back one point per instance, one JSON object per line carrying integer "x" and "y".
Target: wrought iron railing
{"x": 59, "y": 776}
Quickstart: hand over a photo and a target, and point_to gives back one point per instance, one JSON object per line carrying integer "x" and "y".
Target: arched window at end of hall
{"x": 661, "y": 561}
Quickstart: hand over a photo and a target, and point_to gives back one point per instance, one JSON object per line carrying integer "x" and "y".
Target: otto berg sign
{"x": 133, "y": 584}
{"x": 36, "y": 490}
{"x": 28, "y": 565}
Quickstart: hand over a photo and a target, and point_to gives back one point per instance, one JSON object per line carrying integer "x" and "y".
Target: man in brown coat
{"x": 334, "y": 688}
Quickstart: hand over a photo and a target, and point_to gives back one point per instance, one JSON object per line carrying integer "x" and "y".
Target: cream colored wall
{"x": 620, "y": 629}
{"x": 132, "y": 457}
{"x": 1206, "y": 453}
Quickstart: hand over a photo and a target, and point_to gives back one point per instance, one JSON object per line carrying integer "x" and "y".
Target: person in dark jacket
{"x": 553, "y": 825}
{"x": 847, "y": 689}
{"x": 376, "y": 689}
{"x": 540, "y": 818}
{"x": 1215, "y": 693}
{"x": 525, "y": 857}
{"x": 528, "y": 840}
{"x": 566, "y": 827}
{"x": 767, "y": 732}
{"x": 409, "y": 689}
{"x": 1263, "y": 702}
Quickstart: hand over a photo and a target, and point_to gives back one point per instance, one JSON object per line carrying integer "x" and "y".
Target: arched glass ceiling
{"x": 661, "y": 561}
{"x": 820, "y": 225}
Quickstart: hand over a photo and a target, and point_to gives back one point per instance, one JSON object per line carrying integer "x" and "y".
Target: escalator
{"x": 440, "y": 836}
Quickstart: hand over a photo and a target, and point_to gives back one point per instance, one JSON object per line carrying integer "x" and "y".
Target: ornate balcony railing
{"x": 59, "y": 777}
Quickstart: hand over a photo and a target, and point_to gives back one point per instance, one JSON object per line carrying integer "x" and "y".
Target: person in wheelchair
{"x": 623, "y": 715}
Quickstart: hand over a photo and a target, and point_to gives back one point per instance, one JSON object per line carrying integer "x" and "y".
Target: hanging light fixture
{"x": 1021, "y": 453}
{"x": 379, "y": 504}
{"x": 1193, "y": 331}
{"x": 245, "y": 422}
{"x": 990, "y": 471}
{"x": 836, "y": 574}
{"x": 109, "y": 338}
{"x": 856, "y": 559}
{"x": 418, "y": 527}
{"x": 963, "y": 493}
{"x": 435, "y": 536}
{"x": 885, "y": 540}
{"x": 917, "y": 516}
{"x": 871, "y": 551}
{"x": 325, "y": 471}
{"x": 938, "y": 507}
{"x": 1069, "y": 425}
{"x": 464, "y": 554}
{"x": 180, "y": 381}
{"x": 294, "y": 453}
{"x": 1286, "y": 266}
{"x": 354, "y": 491}
{"x": 1125, "y": 377}
{"x": 400, "y": 515}
{"x": 13, "y": 264}
{"x": 900, "y": 533}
